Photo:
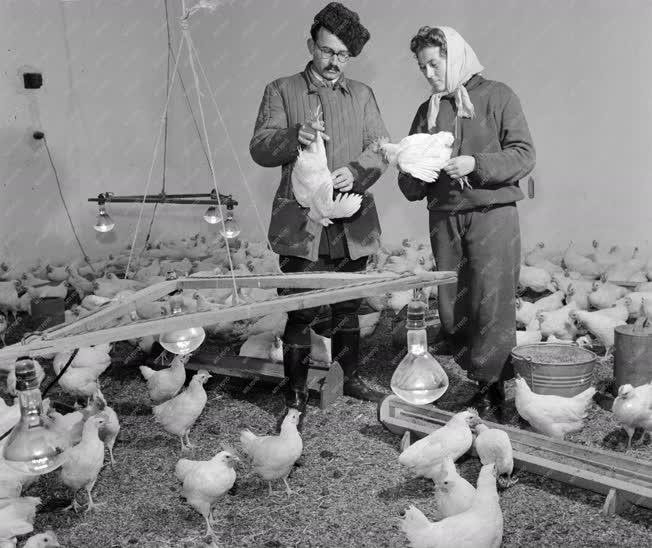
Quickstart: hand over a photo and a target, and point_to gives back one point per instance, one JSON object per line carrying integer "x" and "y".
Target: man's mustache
{"x": 332, "y": 67}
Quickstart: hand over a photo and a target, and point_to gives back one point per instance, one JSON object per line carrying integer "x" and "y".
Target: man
{"x": 351, "y": 123}
{"x": 474, "y": 226}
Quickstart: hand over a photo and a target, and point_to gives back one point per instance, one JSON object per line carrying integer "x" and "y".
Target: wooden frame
{"x": 322, "y": 288}
{"x": 625, "y": 480}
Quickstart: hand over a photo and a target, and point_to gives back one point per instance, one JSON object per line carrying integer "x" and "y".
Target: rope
{"x": 235, "y": 154}
{"x": 191, "y": 49}
{"x": 151, "y": 169}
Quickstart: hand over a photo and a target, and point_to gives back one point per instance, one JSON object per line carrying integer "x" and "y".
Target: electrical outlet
{"x": 32, "y": 80}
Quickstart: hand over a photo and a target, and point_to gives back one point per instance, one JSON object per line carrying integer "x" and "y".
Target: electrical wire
{"x": 65, "y": 206}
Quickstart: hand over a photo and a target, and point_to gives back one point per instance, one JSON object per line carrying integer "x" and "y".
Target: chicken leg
{"x": 92, "y": 505}
{"x": 287, "y": 487}
{"x": 188, "y": 444}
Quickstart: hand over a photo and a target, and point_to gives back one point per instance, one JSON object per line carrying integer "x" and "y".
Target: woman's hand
{"x": 459, "y": 166}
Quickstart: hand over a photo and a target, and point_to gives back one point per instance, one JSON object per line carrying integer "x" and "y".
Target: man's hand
{"x": 342, "y": 179}
{"x": 308, "y": 132}
{"x": 459, "y": 166}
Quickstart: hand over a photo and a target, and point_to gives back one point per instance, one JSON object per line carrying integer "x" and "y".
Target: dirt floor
{"x": 350, "y": 489}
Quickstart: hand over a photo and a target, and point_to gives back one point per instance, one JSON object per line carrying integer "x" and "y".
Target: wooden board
{"x": 593, "y": 469}
{"x": 325, "y": 379}
{"x": 308, "y": 299}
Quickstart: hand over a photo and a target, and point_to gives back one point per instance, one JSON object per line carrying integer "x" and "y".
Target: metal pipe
{"x": 169, "y": 199}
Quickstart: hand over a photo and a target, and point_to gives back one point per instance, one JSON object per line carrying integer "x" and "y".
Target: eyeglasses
{"x": 327, "y": 53}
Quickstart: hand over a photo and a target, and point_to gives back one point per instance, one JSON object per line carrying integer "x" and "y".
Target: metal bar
{"x": 159, "y": 200}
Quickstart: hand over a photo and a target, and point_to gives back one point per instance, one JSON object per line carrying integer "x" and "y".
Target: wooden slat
{"x": 300, "y": 301}
{"x": 626, "y": 475}
{"x": 608, "y": 461}
{"x": 99, "y": 317}
{"x": 311, "y": 280}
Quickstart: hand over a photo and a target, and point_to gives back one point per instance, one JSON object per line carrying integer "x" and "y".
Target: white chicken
{"x": 43, "y": 540}
{"x": 528, "y": 337}
{"x": 165, "y": 383}
{"x": 110, "y": 429}
{"x": 633, "y": 408}
{"x": 312, "y": 185}
{"x": 204, "y": 482}
{"x": 558, "y": 323}
{"x": 481, "y": 526}
{"x": 494, "y": 446}
{"x": 453, "y": 494}
{"x": 537, "y": 279}
{"x": 273, "y": 457}
{"x": 43, "y": 291}
{"x": 554, "y": 416}
{"x": 265, "y": 346}
{"x": 425, "y": 457}
{"x": 633, "y": 301}
{"x": 580, "y": 263}
{"x": 178, "y": 415}
{"x": 605, "y": 294}
{"x": 17, "y": 516}
{"x": 83, "y": 462}
{"x": 421, "y": 155}
{"x": 600, "y": 325}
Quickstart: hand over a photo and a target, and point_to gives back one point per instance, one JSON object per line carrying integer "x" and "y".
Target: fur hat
{"x": 343, "y": 23}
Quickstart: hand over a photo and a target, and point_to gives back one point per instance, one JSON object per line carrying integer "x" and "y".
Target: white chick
{"x": 83, "y": 462}
{"x": 554, "y": 416}
{"x": 425, "y": 456}
{"x": 494, "y": 446}
{"x": 204, "y": 482}
{"x": 163, "y": 385}
{"x": 453, "y": 494}
{"x": 178, "y": 415}
{"x": 273, "y": 457}
{"x": 633, "y": 408}
{"x": 43, "y": 540}
{"x": 17, "y": 516}
{"x": 481, "y": 526}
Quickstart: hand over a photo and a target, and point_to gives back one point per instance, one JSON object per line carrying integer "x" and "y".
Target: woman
{"x": 474, "y": 227}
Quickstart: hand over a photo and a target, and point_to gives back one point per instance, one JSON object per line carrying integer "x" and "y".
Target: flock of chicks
{"x": 583, "y": 299}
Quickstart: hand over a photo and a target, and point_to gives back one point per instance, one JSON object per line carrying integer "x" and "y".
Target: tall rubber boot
{"x": 346, "y": 351}
{"x": 295, "y": 367}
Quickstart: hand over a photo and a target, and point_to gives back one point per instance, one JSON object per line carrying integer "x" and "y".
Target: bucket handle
{"x": 532, "y": 366}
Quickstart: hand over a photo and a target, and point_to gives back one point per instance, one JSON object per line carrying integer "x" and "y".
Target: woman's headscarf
{"x": 461, "y": 64}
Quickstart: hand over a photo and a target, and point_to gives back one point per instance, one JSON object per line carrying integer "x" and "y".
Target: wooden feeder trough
{"x": 624, "y": 480}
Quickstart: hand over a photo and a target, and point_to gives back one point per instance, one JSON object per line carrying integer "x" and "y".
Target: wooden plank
{"x": 99, "y": 317}
{"x": 311, "y": 280}
{"x": 632, "y": 484}
{"x": 325, "y": 379}
{"x": 300, "y": 301}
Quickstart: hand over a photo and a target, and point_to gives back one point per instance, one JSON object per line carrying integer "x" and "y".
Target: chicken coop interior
{"x": 143, "y": 308}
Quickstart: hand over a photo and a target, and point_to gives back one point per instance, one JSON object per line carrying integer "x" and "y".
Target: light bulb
{"x": 230, "y": 228}
{"x": 103, "y": 223}
{"x": 419, "y": 379}
{"x": 181, "y": 341}
{"x": 32, "y": 447}
{"x": 212, "y": 215}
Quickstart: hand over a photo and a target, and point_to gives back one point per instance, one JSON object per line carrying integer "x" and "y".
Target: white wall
{"x": 581, "y": 70}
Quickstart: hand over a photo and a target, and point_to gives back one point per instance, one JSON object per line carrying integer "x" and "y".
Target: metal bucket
{"x": 47, "y": 312}
{"x": 554, "y": 369}
{"x": 632, "y": 356}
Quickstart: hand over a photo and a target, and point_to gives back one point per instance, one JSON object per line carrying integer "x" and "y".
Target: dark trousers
{"x": 323, "y": 320}
{"x": 478, "y": 312}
